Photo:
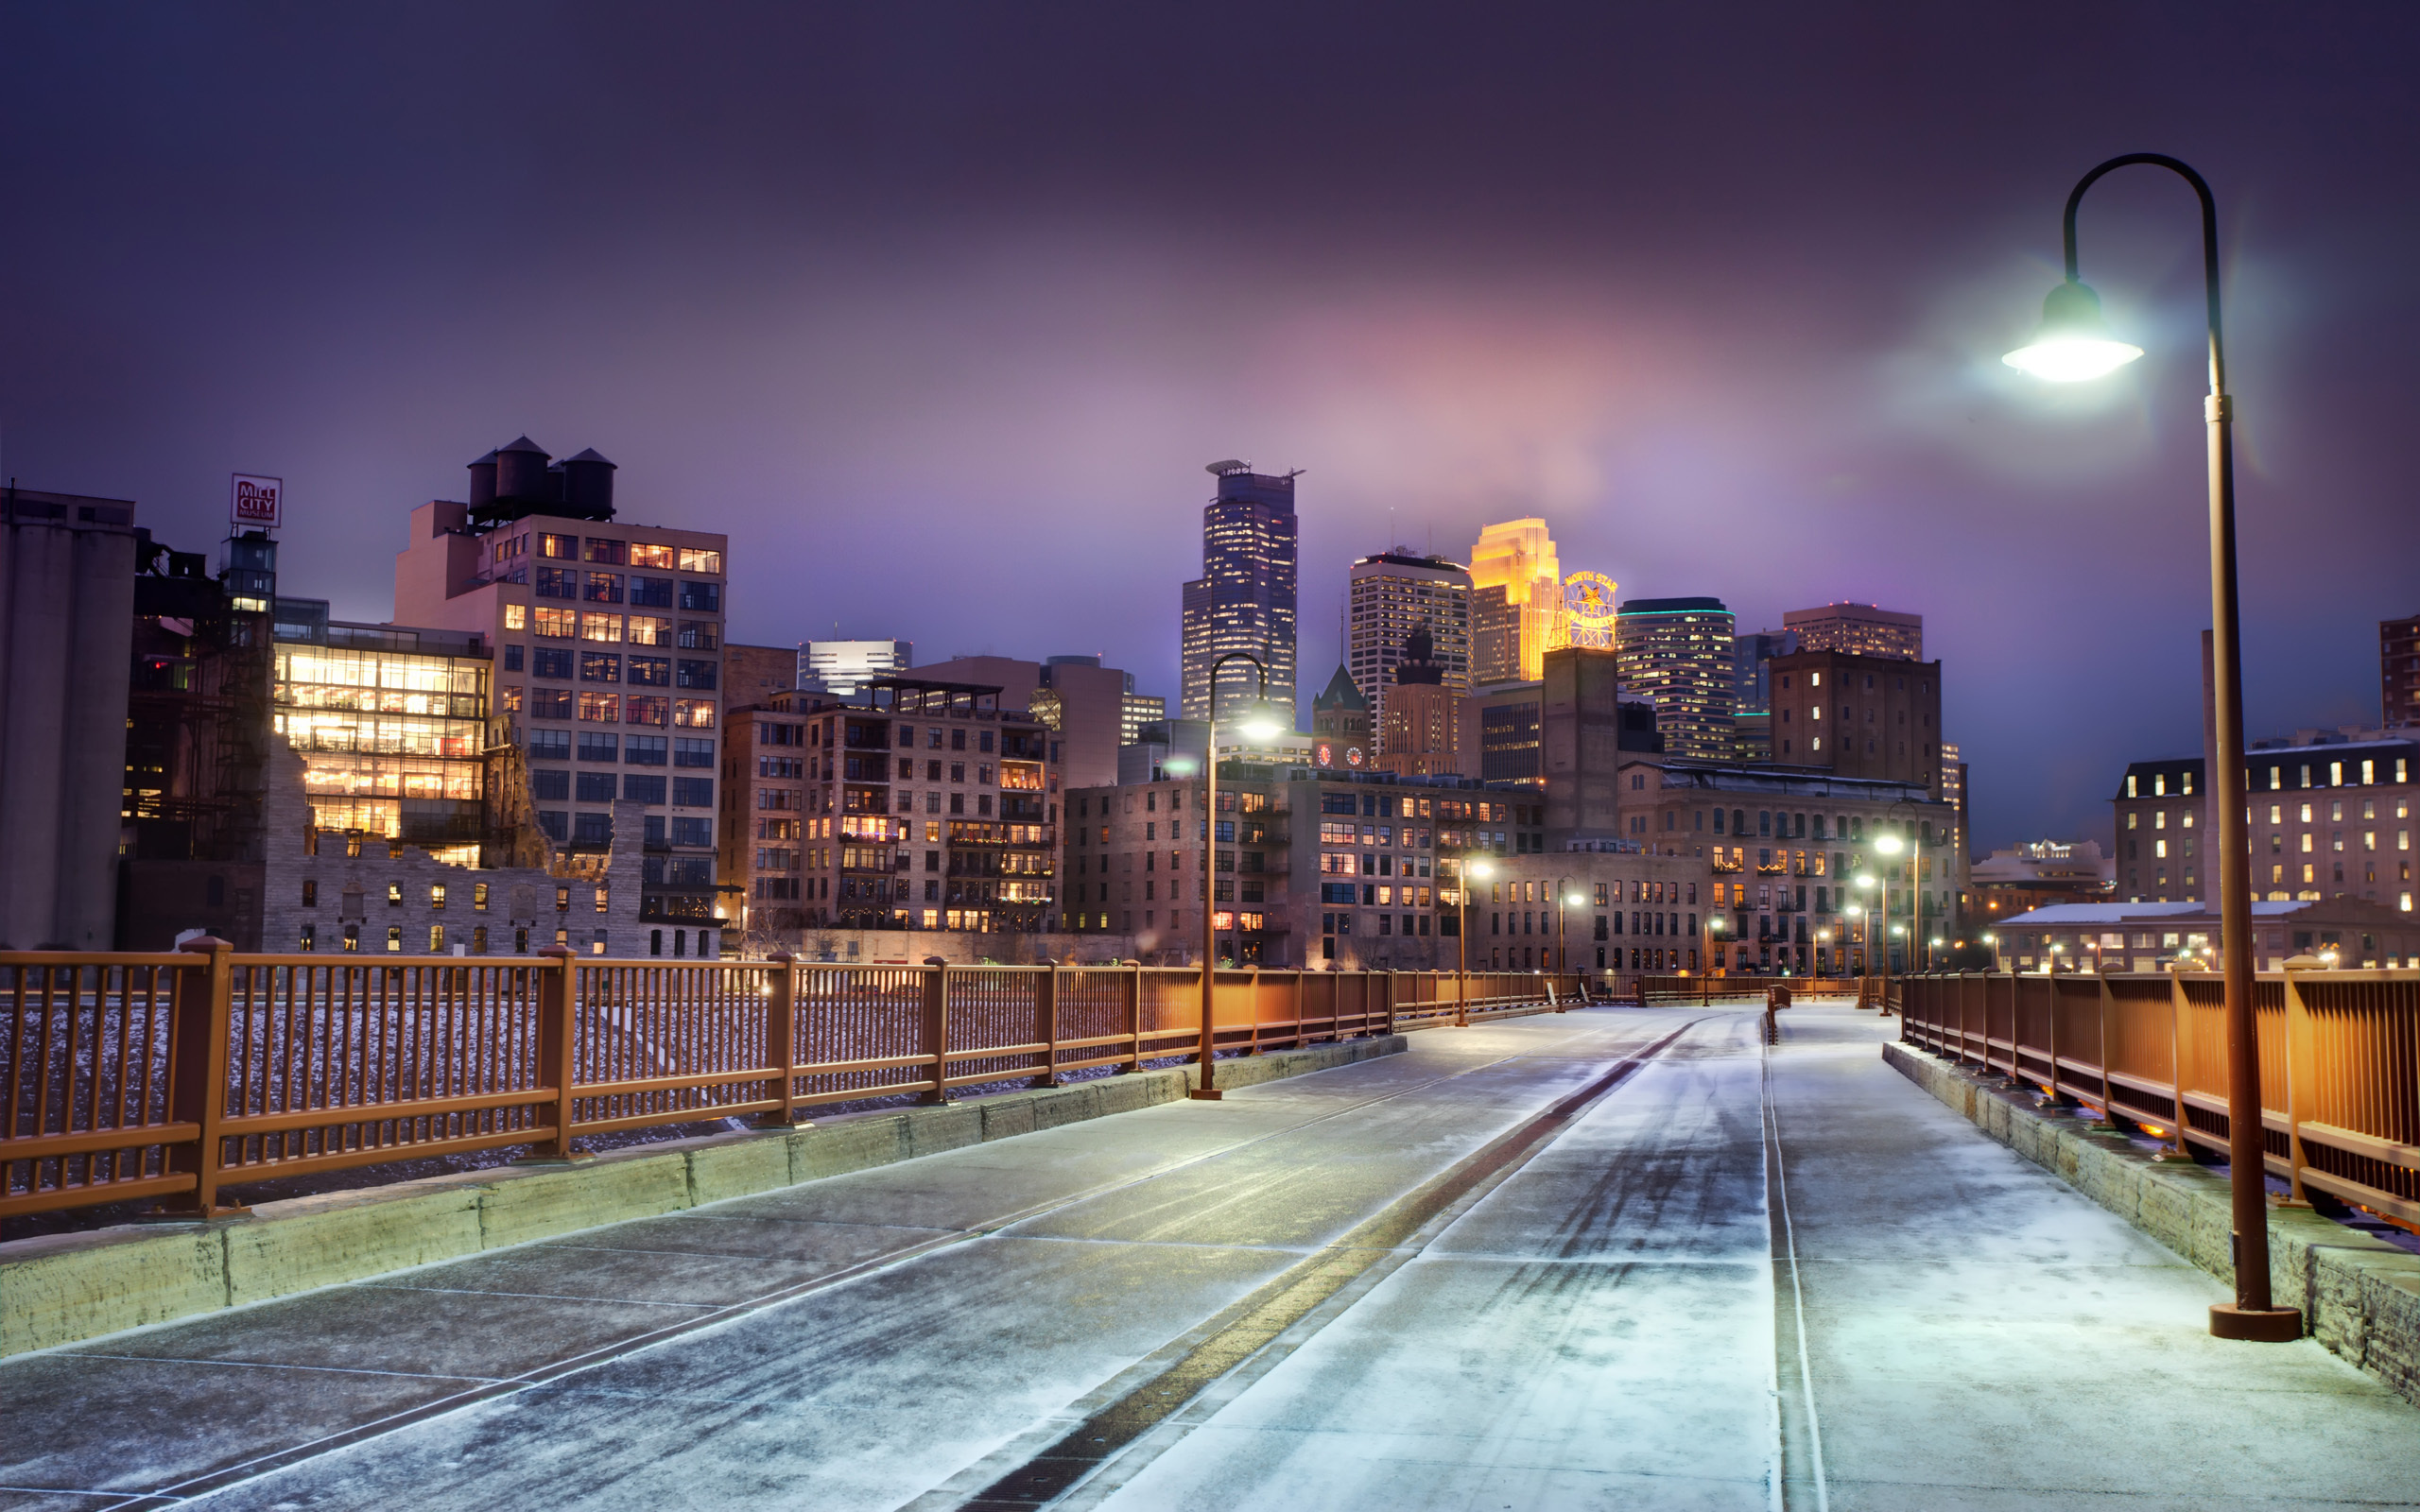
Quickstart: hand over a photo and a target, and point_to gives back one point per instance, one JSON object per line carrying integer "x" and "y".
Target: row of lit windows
{"x": 399, "y": 670}
{"x": 607, "y": 628}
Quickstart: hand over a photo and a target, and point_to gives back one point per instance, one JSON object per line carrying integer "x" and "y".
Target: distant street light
{"x": 1258, "y": 722}
{"x": 2074, "y": 343}
{"x": 1471, "y": 867}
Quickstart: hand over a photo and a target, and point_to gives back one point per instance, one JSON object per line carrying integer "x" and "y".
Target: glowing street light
{"x": 2074, "y": 343}
{"x": 1472, "y": 867}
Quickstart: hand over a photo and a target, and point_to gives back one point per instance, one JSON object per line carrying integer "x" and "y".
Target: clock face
{"x": 1324, "y": 753}
{"x": 1352, "y": 756}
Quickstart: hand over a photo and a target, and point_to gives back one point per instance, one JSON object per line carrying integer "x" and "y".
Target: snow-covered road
{"x": 1533, "y": 1263}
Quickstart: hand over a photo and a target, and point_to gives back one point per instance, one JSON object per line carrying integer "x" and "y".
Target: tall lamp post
{"x": 1259, "y": 722}
{"x": 2074, "y": 343}
{"x": 1891, "y": 845}
{"x": 1915, "y": 881}
{"x": 1471, "y": 867}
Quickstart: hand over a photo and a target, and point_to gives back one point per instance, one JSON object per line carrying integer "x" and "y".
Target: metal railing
{"x": 168, "y": 1076}
{"x": 2339, "y": 1061}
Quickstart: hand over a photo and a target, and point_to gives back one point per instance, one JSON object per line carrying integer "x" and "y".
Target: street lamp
{"x": 2074, "y": 343}
{"x": 1259, "y": 722}
{"x": 1472, "y": 867}
{"x": 1713, "y": 930}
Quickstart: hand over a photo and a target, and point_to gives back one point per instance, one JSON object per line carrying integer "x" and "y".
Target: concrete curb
{"x": 65, "y": 1288}
{"x": 2358, "y": 1295}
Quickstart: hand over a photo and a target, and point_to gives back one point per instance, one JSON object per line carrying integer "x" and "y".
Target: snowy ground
{"x": 1621, "y": 1313}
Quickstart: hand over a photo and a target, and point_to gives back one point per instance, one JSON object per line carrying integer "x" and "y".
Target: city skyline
{"x": 790, "y": 351}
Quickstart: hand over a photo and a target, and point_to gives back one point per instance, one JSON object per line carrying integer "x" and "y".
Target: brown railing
{"x": 168, "y": 1076}
{"x": 2339, "y": 1061}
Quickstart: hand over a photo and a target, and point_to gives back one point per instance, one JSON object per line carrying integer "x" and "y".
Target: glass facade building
{"x": 390, "y": 725}
{"x": 1245, "y": 599}
{"x": 1681, "y": 653}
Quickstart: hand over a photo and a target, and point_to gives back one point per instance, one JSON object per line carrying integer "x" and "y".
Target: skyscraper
{"x": 1393, "y": 594}
{"x": 1244, "y": 599}
{"x": 1513, "y": 630}
{"x": 1860, "y": 629}
{"x": 1678, "y": 651}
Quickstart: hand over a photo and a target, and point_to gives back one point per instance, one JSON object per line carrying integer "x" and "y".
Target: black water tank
{"x": 588, "y": 487}
{"x": 483, "y": 482}
{"x": 520, "y": 470}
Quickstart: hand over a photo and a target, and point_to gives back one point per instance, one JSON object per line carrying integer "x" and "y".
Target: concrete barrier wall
{"x": 63, "y": 1288}
{"x": 2358, "y": 1295}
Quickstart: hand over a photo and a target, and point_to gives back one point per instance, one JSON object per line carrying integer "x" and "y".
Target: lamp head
{"x": 1865, "y": 882}
{"x": 1888, "y": 844}
{"x": 1481, "y": 868}
{"x": 2073, "y": 342}
{"x": 1260, "y": 721}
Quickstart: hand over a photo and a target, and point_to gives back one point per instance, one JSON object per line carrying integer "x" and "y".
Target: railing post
{"x": 2053, "y": 1035}
{"x": 198, "y": 1094}
{"x": 1390, "y": 1002}
{"x": 1045, "y": 988}
{"x": 781, "y": 1032}
{"x": 1251, "y": 1000}
{"x": 2301, "y": 1099}
{"x": 2176, "y": 1041}
{"x": 2108, "y": 1005}
{"x": 936, "y": 1032}
{"x": 558, "y": 1048}
{"x": 1132, "y": 991}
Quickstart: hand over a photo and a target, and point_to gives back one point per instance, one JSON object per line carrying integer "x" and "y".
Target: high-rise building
{"x": 840, "y": 668}
{"x": 1860, "y": 629}
{"x": 1393, "y": 594}
{"x": 1512, "y": 631}
{"x": 1751, "y": 717}
{"x": 2399, "y": 672}
{"x": 608, "y": 673}
{"x": 1244, "y": 599}
{"x": 1680, "y": 652}
{"x": 1140, "y": 709}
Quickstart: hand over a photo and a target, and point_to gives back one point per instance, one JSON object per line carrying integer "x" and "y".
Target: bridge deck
{"x": 1535, "y": 1263}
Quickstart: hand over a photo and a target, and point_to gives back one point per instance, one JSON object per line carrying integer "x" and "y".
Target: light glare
{"x": 2072, "y": 359}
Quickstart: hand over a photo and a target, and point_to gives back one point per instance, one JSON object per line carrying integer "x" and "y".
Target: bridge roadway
{"x": 1556, "y": 1262}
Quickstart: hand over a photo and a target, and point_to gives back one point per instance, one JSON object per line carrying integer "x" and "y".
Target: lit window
{"x": 516, "y": 616}
{"x": 606, "y": 627}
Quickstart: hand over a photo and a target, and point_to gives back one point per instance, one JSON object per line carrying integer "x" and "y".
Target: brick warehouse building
{"x": 917, "y": 804}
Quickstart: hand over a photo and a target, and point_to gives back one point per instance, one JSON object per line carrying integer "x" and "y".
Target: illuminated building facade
{"x": 608, "y": 673}
{"x": 1680, "y": 653}
{"x": 1245, "y": 599}
{"x": 1517, "y": 605}
{"x": 391, "y": 727}
{"x": 1391, "y": 596}
{"x": 1860, "y": 629}
{"x": 841, "y": 667}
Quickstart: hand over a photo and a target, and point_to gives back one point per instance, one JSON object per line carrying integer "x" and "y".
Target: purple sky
{"x": 940, "y": 310}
